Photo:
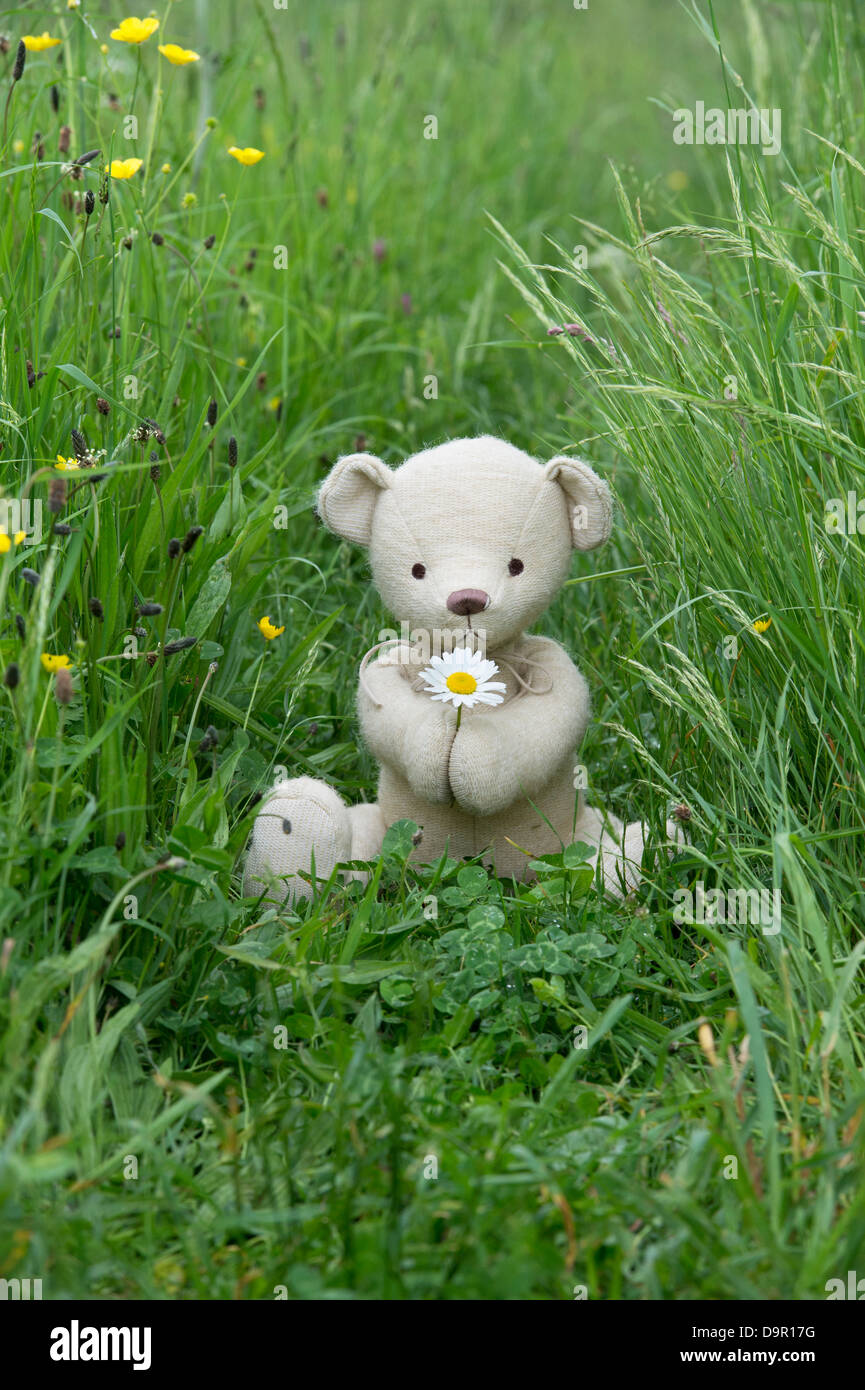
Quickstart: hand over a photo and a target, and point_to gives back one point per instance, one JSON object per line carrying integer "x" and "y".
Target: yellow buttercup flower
{"x": 762, "y": 624}
{"x": 73, "y": 4}
{"x": 177, "y": 55}
{"x": 267, "y": 630}
{"x": 135, "y": 30}
{"x": 37, "y": 43}
{"x": 6, "y": 542}
{"x": 249, "y": 155}
{"x": 124, "y": 168}
{"x": 53, "y": 663}
{"x": 64, "y": 464}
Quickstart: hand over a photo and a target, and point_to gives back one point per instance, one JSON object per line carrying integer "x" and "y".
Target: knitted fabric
{"x": 477, "y": 517}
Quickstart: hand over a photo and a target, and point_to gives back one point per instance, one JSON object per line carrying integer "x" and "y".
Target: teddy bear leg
{"x": 300, "y": 820}
{"x": 367, "y": 832}
{"x": 620, "y": 848}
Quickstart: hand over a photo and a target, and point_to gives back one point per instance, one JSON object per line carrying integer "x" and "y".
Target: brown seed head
{"x": 63, "y": 687}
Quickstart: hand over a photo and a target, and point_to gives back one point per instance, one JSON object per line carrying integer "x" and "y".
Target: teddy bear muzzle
{"x": 468, "y": 601}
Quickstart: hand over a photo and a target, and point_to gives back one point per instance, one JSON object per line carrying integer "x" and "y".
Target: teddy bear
{"x": 468, "y": 541}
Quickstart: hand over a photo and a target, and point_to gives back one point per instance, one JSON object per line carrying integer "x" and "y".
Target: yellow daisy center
{"x": 461, "y": 683}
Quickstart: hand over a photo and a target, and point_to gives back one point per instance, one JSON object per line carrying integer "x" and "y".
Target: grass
{"x": 382, "y": 1094}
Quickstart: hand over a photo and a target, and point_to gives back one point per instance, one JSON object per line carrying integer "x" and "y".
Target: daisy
{"x": 463, "y": 677}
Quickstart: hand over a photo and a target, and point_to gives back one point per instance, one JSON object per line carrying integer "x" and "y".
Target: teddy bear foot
{"x": 302, "y": 820}
{"x": 621, "y": 848}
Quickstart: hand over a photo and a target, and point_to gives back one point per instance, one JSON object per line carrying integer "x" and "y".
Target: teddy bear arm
{"x": 407, "y": 732}
{"x": 542, "y": 729}
{"x": 514, "y": 750}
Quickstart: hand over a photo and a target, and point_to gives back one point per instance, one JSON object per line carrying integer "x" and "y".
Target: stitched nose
{"x": 465, "y": 601}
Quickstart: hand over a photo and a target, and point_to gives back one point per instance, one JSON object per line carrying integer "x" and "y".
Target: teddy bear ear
{"x": 590, "y": 506}
{"x": 347, "y": 497}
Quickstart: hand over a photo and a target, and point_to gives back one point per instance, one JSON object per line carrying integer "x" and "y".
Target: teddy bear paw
{"x": 302, "y": 820}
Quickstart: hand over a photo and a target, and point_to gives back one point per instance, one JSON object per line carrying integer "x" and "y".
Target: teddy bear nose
{"x": 465, "y": 601}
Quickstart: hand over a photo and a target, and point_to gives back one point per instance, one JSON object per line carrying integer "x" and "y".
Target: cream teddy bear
{"x": 468, "y": 544}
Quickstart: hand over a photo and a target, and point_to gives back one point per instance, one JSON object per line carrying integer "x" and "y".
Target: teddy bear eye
{"x": 516, "y": 567}
{"x": 418, "y": 570}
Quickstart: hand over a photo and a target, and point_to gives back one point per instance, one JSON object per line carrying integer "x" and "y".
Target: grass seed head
{"x": 79, "y": 444}
{"x": 63, "y": 687}
{"x": 190, "y": 538}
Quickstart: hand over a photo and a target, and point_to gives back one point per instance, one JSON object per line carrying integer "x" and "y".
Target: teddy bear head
{"x": 473, "y": 533}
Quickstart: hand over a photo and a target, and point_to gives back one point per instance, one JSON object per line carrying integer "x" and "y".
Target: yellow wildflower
{"x": 64, "y": 464}
{"x": 6, "y": 543}
{"x": 249, "y": 155}
{"x": 124, "y": 168}
{"x": 762, "y": 624}
{"x": 37, "y": 43}
{"x": 135, "y": 30}
{"x": 166, "y": 168}
{"x": 177, "y": 55}
{"x": 267, "y": 630}
{"x": 53, "y": 662}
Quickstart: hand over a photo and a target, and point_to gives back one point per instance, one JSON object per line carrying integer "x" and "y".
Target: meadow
{"x": 437, "y": 220}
